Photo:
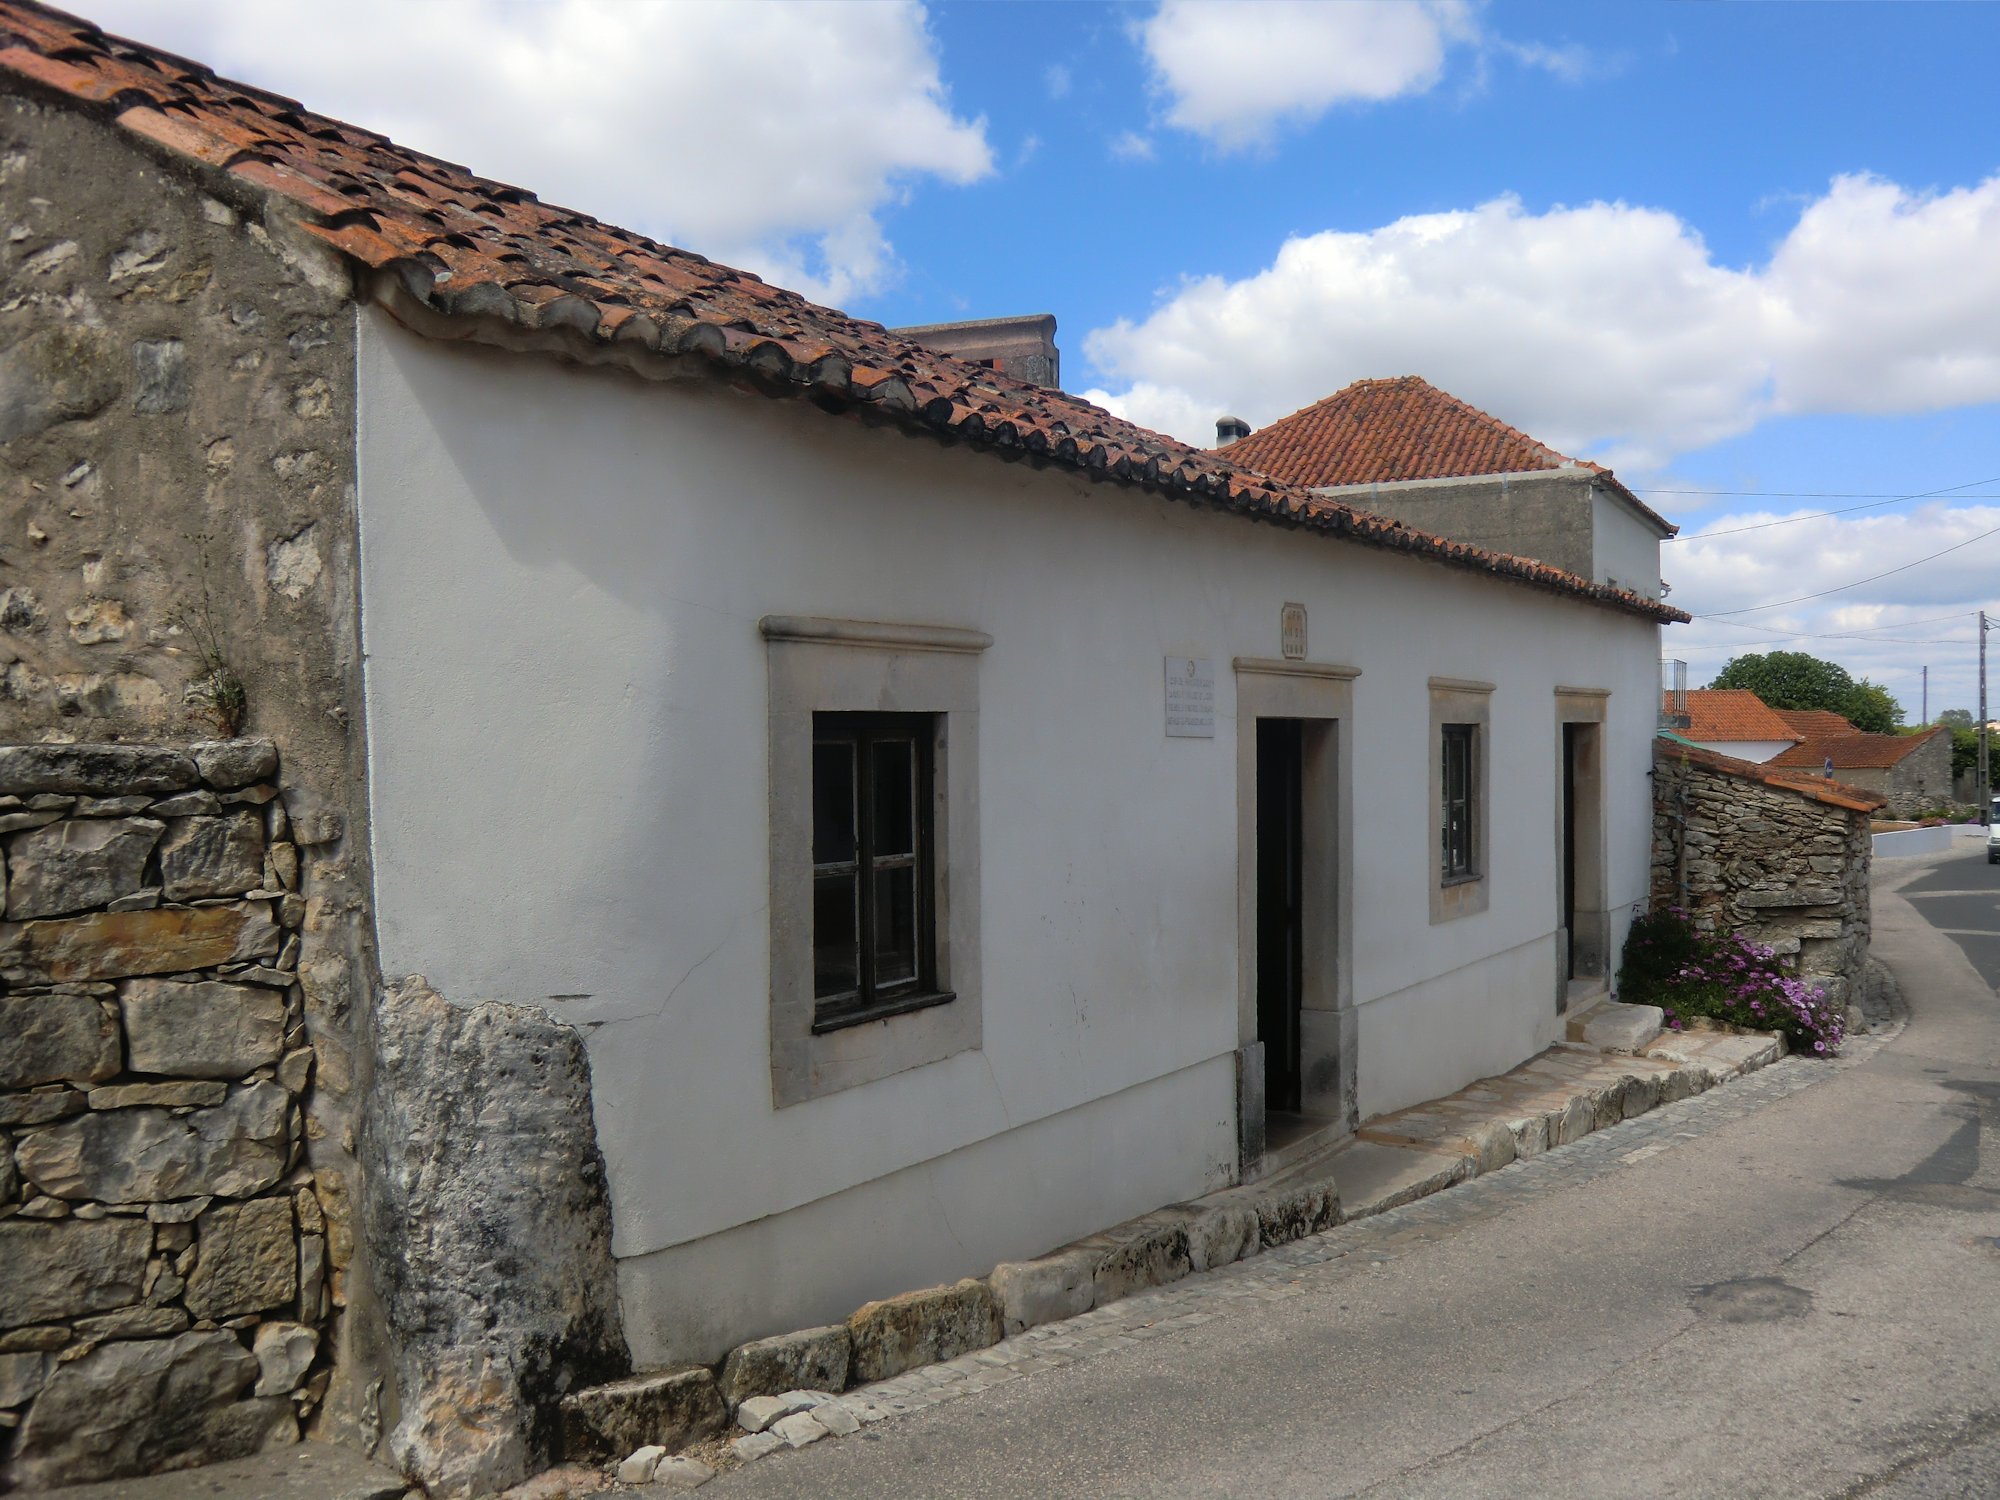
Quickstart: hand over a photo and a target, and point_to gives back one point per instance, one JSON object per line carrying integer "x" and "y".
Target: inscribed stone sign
{"x": 1190, "y": 698}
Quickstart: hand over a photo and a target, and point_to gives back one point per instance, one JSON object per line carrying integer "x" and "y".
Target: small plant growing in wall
{"x": 216, "y": 687}
{"x": 1689, "y": 973}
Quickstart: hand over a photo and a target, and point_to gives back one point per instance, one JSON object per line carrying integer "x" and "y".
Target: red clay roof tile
{"x": 1400, "y": 429}
{"x": 1852, "y": 749}
{"x": 1734, "y": 715}
{"x": 444, "y": 243}
{"x": 1833, "y": 793}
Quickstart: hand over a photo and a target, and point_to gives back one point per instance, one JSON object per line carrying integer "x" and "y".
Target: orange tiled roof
{"x": 1389, "y": 431}
{"x": 1855, "y": 750}
{"x": 449, "y": 252}
{"x": 1833, "y": 793}
{"x": 1734, "y": 715}
{"x": 1816, "y": 723}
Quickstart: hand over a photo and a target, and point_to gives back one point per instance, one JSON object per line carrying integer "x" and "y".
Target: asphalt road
{"x": 1961, "y": 898}
{"x": 1804, "y": 1301}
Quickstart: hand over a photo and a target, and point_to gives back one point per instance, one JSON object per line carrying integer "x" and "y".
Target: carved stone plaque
{"x": 1190, "y": 698}
{"x": 1292, "y": 632}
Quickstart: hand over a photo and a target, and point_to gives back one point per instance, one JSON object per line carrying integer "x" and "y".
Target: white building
{"x": 1186, "y": 809}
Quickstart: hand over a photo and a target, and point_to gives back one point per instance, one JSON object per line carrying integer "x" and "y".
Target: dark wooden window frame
{"x": 869, "y": 999}
{"x": 1459, "y": 856}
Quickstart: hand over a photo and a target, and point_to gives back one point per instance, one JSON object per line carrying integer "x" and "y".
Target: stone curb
{"x": 888, "y": 1348}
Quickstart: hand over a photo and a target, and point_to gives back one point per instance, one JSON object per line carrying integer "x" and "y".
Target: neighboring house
{"x": 950, "y": 819}
{"x": 1403, "y": 448}
{"x": 1911, "y": 771}
{"x": 1735, "y": 722}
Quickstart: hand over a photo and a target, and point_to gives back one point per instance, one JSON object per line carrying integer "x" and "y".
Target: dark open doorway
{"x": 1572, "y": 734}
{"x": 1280, "y": 906}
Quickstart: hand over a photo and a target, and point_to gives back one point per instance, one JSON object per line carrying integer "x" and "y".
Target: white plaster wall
{"x": 1626, "y": 547}
{"x": 562, "y": 574}
{"x": 1758, "y": 751}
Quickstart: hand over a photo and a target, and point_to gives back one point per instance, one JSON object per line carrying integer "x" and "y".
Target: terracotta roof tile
{"x": 1399, "y": 429}
{"x": 1851, "y": 749}
{"x": 1734, "y": 715}
{"x": 1833, "y": 793}
{"x": 432, "y": 241}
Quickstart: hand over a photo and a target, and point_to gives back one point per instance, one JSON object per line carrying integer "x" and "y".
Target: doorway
{"x": 1280, "y": 907}
{"x": 1585, "y": 929}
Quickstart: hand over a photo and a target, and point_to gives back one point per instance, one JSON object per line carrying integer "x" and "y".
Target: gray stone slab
{"x": 310, "y": 1471}
{"x": 1374, "y": 1178}
{"x": 1613, "y": 1026}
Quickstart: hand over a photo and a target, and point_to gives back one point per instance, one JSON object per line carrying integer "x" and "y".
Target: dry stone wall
{"x": 164, "y": 1287}
{"x": 177, "y": 514}
{"x": 1781, "y": 866}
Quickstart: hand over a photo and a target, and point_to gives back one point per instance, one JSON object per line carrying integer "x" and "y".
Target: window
{"x": 1461, "y": 801}
{"x": 1461, "y": 742}
{"x": 874, "y": 935}
{"x": 873, "y": 763}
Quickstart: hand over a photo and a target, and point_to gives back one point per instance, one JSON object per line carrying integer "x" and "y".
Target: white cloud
{"x": 1056, "y": 79}
{"x": 768, "y": 136}
{"x": 1129, "y": 145}
{"x": 1887, "y": 630}
{"x": 1236, "y": 72}
{"x": 1609, "y": 330}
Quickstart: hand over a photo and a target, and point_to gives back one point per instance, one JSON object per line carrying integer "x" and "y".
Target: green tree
{"x": 1796, "y": 679}
{"x": 1871, "y": 708}
{"x": 1956, "y": 718}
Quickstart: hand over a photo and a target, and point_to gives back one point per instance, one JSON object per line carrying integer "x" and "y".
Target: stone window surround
{"x": 1455, "y": 700}
{"x": 1321, "y": 694}
{"x": 827, "y": 665}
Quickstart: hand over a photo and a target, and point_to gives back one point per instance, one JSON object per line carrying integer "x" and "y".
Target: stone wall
{"x": 177, "y": 546}
{"x": 1921, "y": 779}
{"x": 163, "y": 1251}
{"x": 1781, "y": 858}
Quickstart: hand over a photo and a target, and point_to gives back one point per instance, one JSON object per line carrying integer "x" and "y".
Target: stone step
{"x": 1613, "y": 1026}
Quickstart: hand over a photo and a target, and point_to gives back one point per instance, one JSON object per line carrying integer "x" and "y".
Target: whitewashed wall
{"x": 1625, "y": 545}
{"x": 1757, "y": 751}
{"x": 563, "y": 572}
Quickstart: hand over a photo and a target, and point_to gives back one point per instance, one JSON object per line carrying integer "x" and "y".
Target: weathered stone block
{"x": 1220, "y": 1235}
{"x": 53, "y": 1038}
{"x": 77, "y": 864}
{"x": 229, "y": 764}
{"x": 923, "y": 1327}
{"x": 1047, "y": 1289}
{"x": 107, "y": 770}
{"x": 56, "y": 374}
{"x": 109, "y": 945}
{"x": 481, "y": 1146}
{"x": 1531, "y": 1136}
{"x": 207, "y": 857}
{"x": 813, "y": 1359}
{"x": 1155, "y": 1254}
{"x": 133, "y": 1323}
{"x": 160, "y": 384}
{"x": 143, "y": 1407}
{"x": 202, "y": 1030}
{"x": 1572, "y": 1122}
{"x": 245, "y": 1260}
{"x": 285, "y": 1351}
{"x": 1490, "y": 1147}
{"x": 1641, "y": 1094}
{"x": 21, "y": 1377}
{"x": 1293, "y": 1211}
{"x": 668, "y": 1407}
{"x": 69, "y": 1267}
{"x": 152, "y": 1155}
{"x": 204, "y": 1094}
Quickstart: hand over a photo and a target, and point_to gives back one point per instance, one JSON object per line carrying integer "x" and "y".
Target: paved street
{"x": 1786, "y": 1287}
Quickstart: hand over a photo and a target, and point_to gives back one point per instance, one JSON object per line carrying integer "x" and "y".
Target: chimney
{"x": 1023, "y": 347}
{"x": 1229, "y": 429}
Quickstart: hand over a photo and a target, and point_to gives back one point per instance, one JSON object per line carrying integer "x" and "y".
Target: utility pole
{"x": 1927, "y": 697}
{"x": 1985, "y": 787}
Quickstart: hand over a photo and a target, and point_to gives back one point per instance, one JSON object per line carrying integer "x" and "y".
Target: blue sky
{"x": 1723, "y": 247}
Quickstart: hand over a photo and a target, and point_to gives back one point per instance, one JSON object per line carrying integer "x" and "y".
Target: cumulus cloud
{"x": 1608, "y": 330}
{"x": 768, "y": 136}
{"x": 1886, "y": 630}
{"x": 1129, "y": 145}
{"x": 1235, "y": 73}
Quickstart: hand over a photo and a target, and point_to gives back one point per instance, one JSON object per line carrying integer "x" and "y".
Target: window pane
{"x": 895, "y": 926}
{"x": 833, "y": 802}
{"x": 835, "y": 971}
{"x": 895, "y": 788}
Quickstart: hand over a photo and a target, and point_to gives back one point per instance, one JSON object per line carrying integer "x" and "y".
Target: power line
{"x": 1844, "y": 587}
{"x": 1820, "y": 515}
{"x": 1864, "y": 634}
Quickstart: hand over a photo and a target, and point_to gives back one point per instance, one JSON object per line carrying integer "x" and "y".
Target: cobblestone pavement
{"x": 1349, "y": 1249}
